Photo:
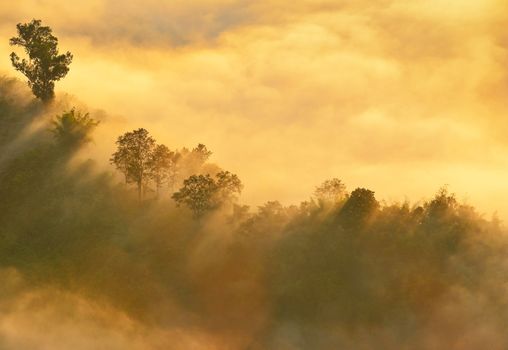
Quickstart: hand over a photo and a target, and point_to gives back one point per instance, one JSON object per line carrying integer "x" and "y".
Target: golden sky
{"x": 400, "y": 96}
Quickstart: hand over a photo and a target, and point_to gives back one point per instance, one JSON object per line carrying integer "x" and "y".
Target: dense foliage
{"x": 44, "y": 64}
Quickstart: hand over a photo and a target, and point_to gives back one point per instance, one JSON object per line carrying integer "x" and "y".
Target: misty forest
{"x": 156, "y": 250}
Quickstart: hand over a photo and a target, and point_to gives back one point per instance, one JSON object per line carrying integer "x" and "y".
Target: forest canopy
{"x": 342, "y": 262}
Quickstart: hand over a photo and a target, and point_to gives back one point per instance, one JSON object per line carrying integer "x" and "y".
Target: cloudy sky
{"x": 400, "y": 96}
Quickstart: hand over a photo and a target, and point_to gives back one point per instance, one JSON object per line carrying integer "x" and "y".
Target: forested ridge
{"x": 161, "y": 237}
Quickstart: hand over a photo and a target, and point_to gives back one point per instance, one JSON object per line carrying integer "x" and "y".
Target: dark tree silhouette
{"x": 161, "y": 166}
{"x": 197, "y": 193}
{"x": 191, "y": 162}
{"x": 44, "y": 65}
{"x": 359, "y": 206}
{"x": 201, "y": 154}
{"x": 332, "y": 190}
{"x": 133, "y": 157}
{"x": 73, "y": 128}
{"x": 202, "y": 193}
{"x": 174, "y": 170}
{"x": 228, "y": 186}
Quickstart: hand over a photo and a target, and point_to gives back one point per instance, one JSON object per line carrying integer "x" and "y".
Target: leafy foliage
{"x": 202, "y": 193}
{"x": 161, "y": 165}
{"x": 73, "y": 128}
{"x": 197, "y": 193}
{"x": 44, "y": 65}
{"x": 229, "y": 186}
{"x": 331, "y": 191}
{"x": 360, "y": 205}
{"x": 201, "y": 153}
{"x": 134, "y": 156}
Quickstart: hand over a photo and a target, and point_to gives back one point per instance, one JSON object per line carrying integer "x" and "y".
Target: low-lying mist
{"x": 84, "y": 264}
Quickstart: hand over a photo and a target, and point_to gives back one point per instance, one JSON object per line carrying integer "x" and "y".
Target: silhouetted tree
{"x": 202, "y": 193}
{"x": 133, "y": 157}
{"x": 332, "y": 190}
{"x": 443, "y": 205}
{"x": 44, "y": 65}
{"x": 228, "y": 185}
{"x": 359, "y": 206}
{"x": 201, "y": 153}
{"x": 160, "y": 165}
{"x": 445, "y": 215}
{"x": 73, "y": 128}
{"x": 174, "y": 170}
{"x": 197, "y": 193}
{"x": 191, "y": 162}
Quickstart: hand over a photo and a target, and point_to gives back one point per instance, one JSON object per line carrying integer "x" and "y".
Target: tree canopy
{"x": 202, "y": 193}
{"x": 73, "y": 128}
{"x": 332, "y": 190}
{"x": 161, "y": 163}
{"x": 352, "y": 275}
{"x": 44, "y": 64}
{"x": 358, "y": 208}
{"x": 133, "y": 157}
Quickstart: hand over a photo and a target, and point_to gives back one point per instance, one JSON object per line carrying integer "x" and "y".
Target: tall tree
{"x": 133, "y": 157}
{"x": 44, "y": 65}
{"x": 160, "y": 166}
{"x": 174, "y": 170}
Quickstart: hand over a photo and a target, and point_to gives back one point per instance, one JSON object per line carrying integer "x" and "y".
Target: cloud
{"x": 283, "y": 95}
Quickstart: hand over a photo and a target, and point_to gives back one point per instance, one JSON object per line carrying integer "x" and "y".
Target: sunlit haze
{"x": 400, "y": 96}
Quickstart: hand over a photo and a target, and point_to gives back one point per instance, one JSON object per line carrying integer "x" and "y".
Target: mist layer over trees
{"x": 162, "y": 253}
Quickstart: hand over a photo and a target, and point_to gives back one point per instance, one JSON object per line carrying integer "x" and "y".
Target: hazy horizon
{"x": 401, "y": 97}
